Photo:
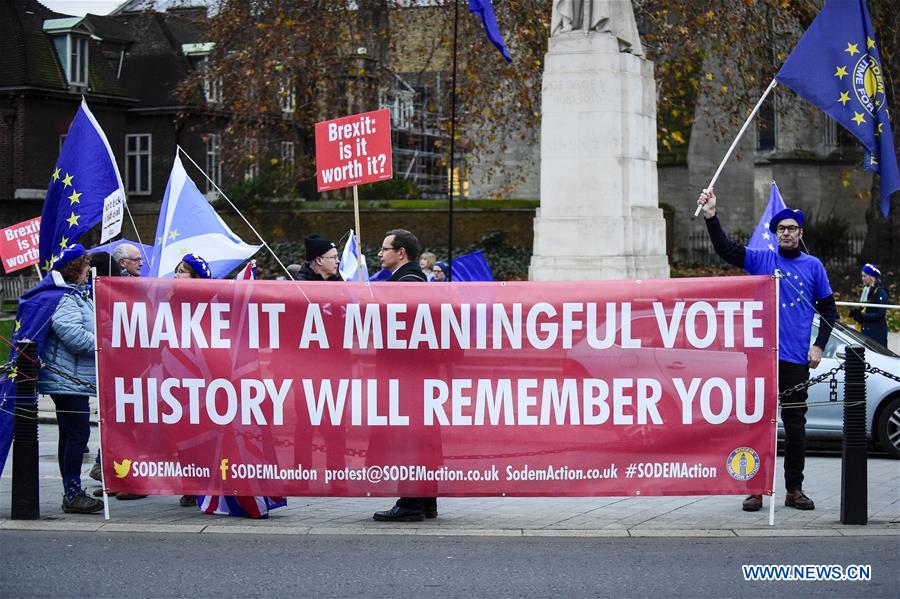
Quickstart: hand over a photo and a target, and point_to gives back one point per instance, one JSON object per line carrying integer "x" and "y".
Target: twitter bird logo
{"x": 123, "y": 468}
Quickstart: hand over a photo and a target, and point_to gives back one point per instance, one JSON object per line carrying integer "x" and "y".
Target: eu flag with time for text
{"x": 837, "y": 66}
{"x": 84, "y": 176}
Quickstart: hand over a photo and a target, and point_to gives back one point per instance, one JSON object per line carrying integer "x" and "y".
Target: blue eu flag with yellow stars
{"x": 84, "y": 177}
{"x": 837, "y": 66}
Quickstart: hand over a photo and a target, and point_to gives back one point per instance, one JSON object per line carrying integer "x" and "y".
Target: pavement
{"x": 694, "y": 516}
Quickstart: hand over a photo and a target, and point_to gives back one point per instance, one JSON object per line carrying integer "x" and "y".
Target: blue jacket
{"x": 70, "y": 346}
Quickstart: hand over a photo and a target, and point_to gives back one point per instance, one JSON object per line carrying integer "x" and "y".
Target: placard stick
{"x": 359, "y": 260}
{"x": 737, "y": 139}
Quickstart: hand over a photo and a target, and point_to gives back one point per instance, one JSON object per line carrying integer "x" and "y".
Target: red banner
{"x": 19, "y": 244}
{"x": 354, "y": 150}
{"x": 463, "y": 389}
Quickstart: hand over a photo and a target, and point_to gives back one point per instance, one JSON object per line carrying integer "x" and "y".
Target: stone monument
{"x": 599, "y": 216}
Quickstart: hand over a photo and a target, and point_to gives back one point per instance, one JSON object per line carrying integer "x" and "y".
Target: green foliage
{"x": 390, "y": 189}
{"x": 6, "y": 328}
{"x": 273, "y": 181}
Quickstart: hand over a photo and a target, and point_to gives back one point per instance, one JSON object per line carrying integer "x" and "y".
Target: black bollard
{"x": 25, "y": 490}
{"x": 854, "y": 475}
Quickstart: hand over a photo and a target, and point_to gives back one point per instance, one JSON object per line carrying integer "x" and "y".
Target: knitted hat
{"x": 797, "y": 215}
{"x": 200, "y": 266}
{"x": 871, "y": 270}
{"x": 68, "y": 255}
{"x": 316, "y": 246}
{"x": 444, "y": 266}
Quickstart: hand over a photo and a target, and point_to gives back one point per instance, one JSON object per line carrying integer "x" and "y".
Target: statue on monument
{"x": 612, "y": 16}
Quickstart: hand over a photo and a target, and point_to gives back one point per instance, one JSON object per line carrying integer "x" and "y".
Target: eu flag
{"x": 485, "y": 10}
{"x": 762, "y": 238}
{"x": 837, "y": 66}
{"x": 84, "y": 179}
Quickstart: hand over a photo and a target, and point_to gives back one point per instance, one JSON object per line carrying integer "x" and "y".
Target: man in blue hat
{"x": 804, "y": 291}
{"x": 873, "y": 320}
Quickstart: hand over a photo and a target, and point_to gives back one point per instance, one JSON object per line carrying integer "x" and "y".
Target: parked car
{"x": 825, "y": 419}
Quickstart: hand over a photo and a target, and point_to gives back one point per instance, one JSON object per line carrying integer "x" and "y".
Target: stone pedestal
{"x": 599, "y": 216}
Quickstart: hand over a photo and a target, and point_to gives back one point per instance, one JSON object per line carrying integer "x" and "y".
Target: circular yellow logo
{"x": 868, "y": 83}
{"x": 742, "y": 463}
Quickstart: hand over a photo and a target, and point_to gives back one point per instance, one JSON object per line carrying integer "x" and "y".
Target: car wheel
{"x": 888, "y": 428}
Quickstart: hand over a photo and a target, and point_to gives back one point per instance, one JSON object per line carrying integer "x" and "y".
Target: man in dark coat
{"x": 322, "y": 261}
{"x": 399, "y": 254}
{"x": 873, "y": 320}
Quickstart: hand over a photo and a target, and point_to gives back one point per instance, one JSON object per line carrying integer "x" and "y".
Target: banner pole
{"x": 777, "y": 277}
{"x": 97, "y": 378}
{"x": 737, "y": 139}
{"x": 359, "y": 258}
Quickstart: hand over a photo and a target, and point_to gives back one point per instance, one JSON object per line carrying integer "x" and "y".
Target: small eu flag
{"x": 762, "y": 238}
{"x": 837, "y": 66}
{"x": 84, "y": 180}
{"x": 485, "y": 10}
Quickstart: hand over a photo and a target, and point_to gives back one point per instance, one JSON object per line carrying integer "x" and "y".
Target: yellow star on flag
{"x": 64, "y": 242}
{"x": 160, "y": 240}
{"x": 870, "y": 43}
{"x": 67, "y": 181}
{"x": 73, "y": 219}
{"x": 872, "y": 160}
{"x": 845, "y": 97}
{"x": 880, "y": 125}
{"x": 182, "y": 251}
{"x": 48, "y": 264}
{"x": 858, "y": 118}
{"x": 18, "y": 325}
{"x": 75, "y": 198}
{"x": 852, "y": 48}
{"x": 173, "y": 234}
{"x": 55, "y": 175}
{"x": 841, "y": 72}
{"x": 13, "y": 372}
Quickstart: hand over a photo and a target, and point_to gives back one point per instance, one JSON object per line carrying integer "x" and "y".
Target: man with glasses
{"x": 128, "y": 258}
{"x": 399, "y": 254}
{"x": 322, "y": 261}
{"x": 804, "y": 290}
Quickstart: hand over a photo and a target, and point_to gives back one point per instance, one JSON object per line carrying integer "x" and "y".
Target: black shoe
{"x": 99, "y": 493}
{"x": 128, "y": 496}
{"x": 799, "y": 500}
{"x": 432, "y": 513}
{"x": 81, "y": 504}
{"x": 187, "y": 501}
{"x": 95, "y": 473}
{"x": 400, "y": 514}
{"x": 752, "y": 503}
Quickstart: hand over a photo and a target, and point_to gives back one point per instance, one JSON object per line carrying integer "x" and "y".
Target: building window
{"x": 251, "y": 151}
{"x": 287, "y": 155}
{"x": 137, "y": 163}
{"x": 767, "y": 125}
{"x": 213, "y": 161}
{"x": 287, "y": 97}
{"x": 73, "y": 54}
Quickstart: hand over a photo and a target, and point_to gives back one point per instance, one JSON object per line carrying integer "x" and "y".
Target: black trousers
{"x": 794, "y": 420}
{"x": 419, "y": 504}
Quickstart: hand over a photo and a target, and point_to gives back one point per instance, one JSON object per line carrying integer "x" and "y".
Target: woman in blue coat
{"x": 873, "y": 320}
{"x": 68, "y": 373}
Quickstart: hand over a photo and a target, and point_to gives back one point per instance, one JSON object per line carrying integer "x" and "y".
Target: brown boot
{"x": 799, "y": 500}
{"x": 753, "y": 503}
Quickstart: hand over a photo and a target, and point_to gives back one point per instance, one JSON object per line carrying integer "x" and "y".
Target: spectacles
{"x": 384, "y": 249}
{"x": 787, "y": 228}
{"x": 336, "y": 258}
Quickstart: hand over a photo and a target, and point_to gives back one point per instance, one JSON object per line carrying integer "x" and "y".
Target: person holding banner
{"x": 322, "y": 261}
{"x": 68, "y": 373}
{"x": 398, "y": 254}
{"x": 804, "y": 291}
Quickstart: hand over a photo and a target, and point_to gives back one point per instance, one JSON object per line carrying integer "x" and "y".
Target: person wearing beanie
{"x": 192, "y": 266}
{"x": 440, "y": 270}
{"x": 804, "y": 291}
{"x": 873, "y": 320}
{"x": 322, "y": 261}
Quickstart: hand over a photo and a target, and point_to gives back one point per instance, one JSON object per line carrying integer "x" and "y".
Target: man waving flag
{"x": 837, "y": 66}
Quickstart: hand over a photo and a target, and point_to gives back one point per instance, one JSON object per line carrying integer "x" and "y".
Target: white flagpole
{"x": 230, "y": 203}
{"x": 737, "y": 139}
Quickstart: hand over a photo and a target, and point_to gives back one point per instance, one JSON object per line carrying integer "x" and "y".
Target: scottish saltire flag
{"x": 85, "y": 179}
{"x": 762, "y": 238}
{"x": 36, "y": 307}
{"x": 187, "y": 223}
{"x": 248, "y": 273}
{"x": 350, "y": 267}
{"x": 471, "y": 267}
{"x": 485, "y": 10}
{"x": 837, "y": 66}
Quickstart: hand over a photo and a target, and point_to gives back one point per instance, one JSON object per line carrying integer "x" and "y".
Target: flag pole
{"x": 230, "y": 203}
{"x": 359, "y": 261}
{"x": 737, "y": 139}
{"x": 452, "y": 142}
